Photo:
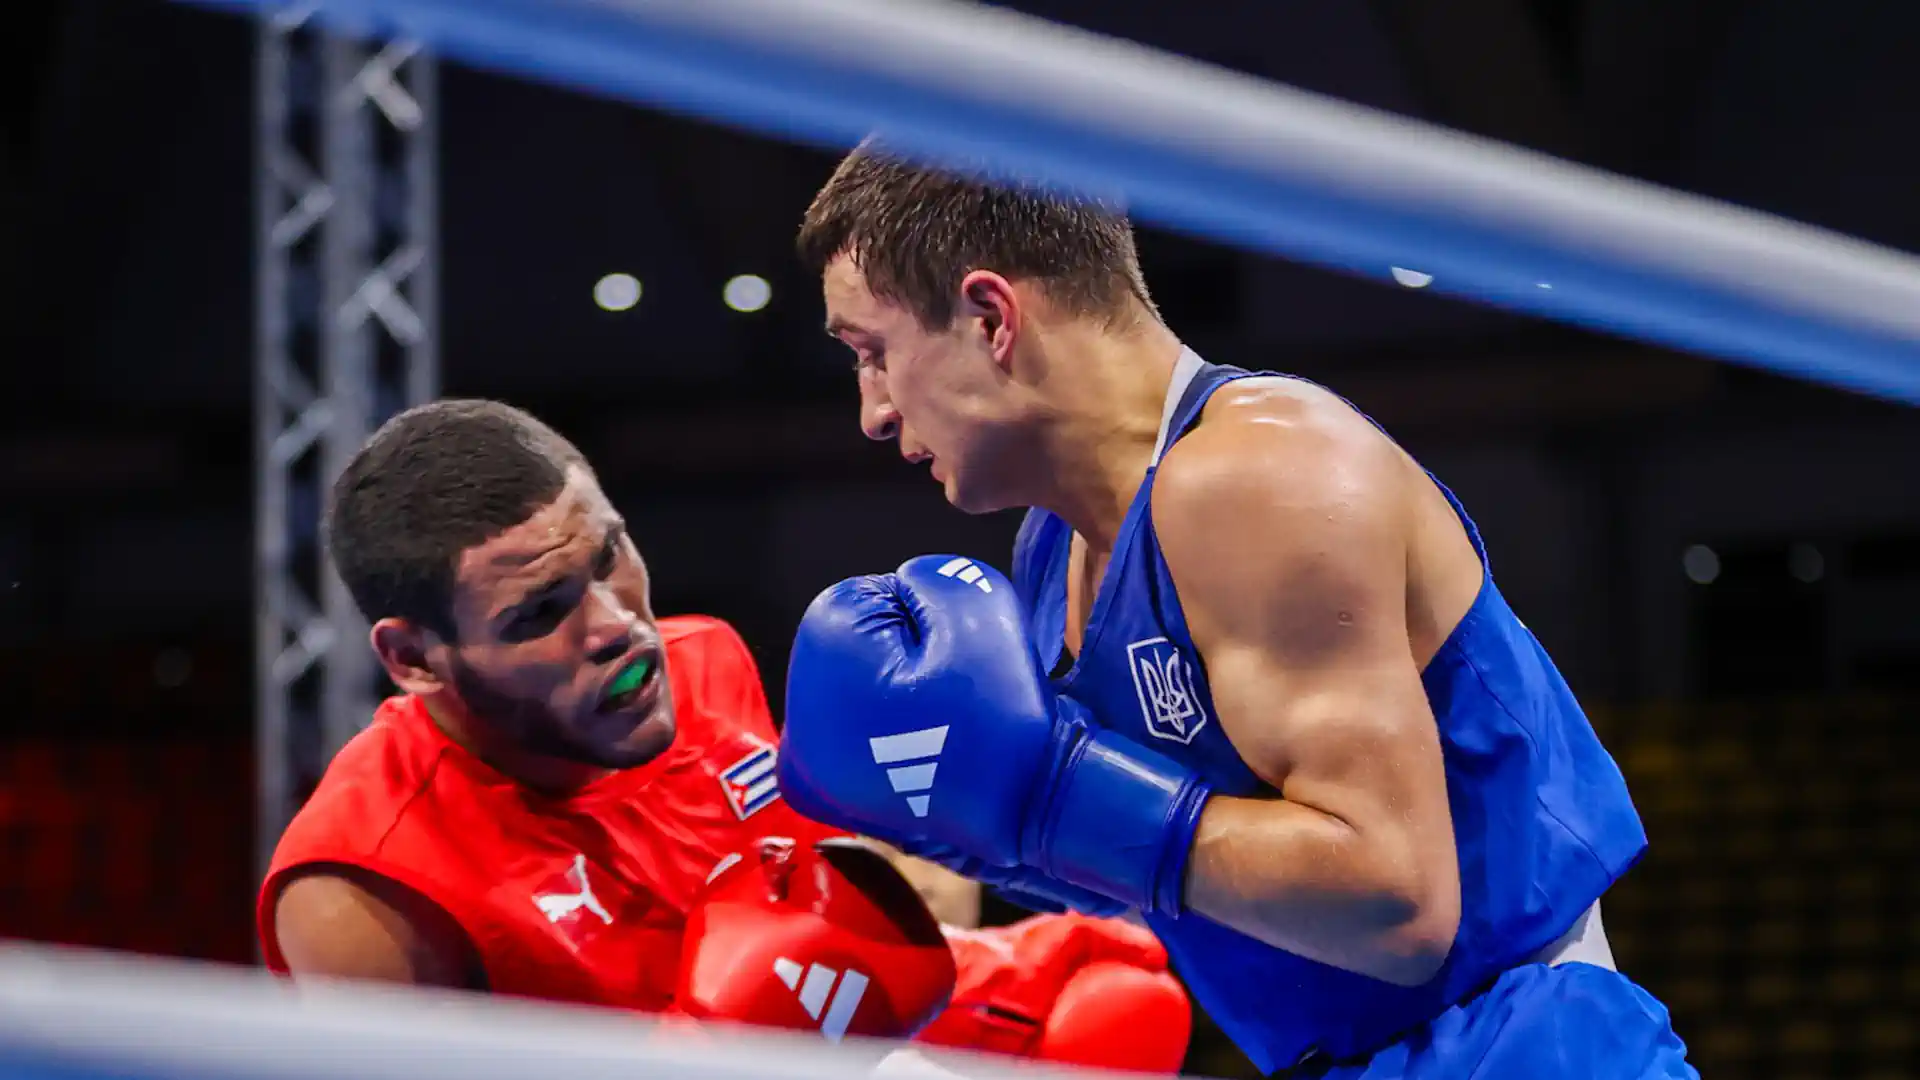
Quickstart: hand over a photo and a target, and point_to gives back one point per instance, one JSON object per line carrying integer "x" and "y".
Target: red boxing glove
{"x": 1116, "y": 1016}
{"x": 825, "y": 937}
{"x": 1067, "y": 988}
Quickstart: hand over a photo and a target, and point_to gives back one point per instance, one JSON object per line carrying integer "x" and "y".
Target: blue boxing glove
{"x": 916, "y": 713}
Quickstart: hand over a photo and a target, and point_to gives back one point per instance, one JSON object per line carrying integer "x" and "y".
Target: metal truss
{"x": 346, "y": 335}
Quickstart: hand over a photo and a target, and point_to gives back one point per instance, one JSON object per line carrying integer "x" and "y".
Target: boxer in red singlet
{"x": 539, "y": 811}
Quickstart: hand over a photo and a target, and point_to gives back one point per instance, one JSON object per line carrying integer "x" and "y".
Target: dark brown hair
{"x": 431, "y": 483}
{"x": 915, "y": 231}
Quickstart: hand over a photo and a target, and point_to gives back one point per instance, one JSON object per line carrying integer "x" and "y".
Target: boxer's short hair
{"x": 432, "y": 482}
{"x": 916, "y": 231}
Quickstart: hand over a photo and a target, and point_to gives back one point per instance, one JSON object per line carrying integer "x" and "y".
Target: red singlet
{"x": 581, "y": 898}
{"x": 584, "y": 898}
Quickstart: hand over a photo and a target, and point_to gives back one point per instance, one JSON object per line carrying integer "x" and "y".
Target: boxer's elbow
{"x": 1394, "y": 931}
{"x": 1412, "y": 945}
{"x": 1412, "y": 953}
{"x": 1382, "y": 906}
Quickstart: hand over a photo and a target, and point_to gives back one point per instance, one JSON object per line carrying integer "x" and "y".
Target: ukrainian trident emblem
{"x": 1163, "y": 679}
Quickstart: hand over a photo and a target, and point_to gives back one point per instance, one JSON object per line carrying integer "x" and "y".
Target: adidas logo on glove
{"x": 920, "y": 750}
{"x": 961, "y": 568}
{"x": 816, "y": 985}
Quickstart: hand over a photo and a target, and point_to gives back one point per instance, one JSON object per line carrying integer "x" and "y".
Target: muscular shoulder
{"x": 1284, "y": 491}
{"x": 1282, "y": 458}
{"x": 367, "y": 788}
{"x": 344, "y": 922}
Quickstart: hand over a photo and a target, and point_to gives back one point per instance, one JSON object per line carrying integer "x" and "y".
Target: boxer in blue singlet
{"x": 1254, "y": 678}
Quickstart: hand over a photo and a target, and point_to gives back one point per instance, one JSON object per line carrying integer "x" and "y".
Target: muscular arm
{"x": 347, "y": 923}
{"x": 1287, "y": 529}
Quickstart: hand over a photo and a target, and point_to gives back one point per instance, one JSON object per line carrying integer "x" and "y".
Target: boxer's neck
{"x": 1106, "y": 394}
{"x": 556, "y": 777}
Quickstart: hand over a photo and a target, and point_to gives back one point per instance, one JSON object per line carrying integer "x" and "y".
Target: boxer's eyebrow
{"x": 837, "y": 326}
{"x": 610, "y": 547}
{"x": 608, "y": 551}
{"x": 523, "y": 558}
{"x": 528, "y": 598}
{"x": 552, "y": 582}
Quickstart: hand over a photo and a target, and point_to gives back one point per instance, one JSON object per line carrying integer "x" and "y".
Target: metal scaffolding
{"x": 346, "y": 336}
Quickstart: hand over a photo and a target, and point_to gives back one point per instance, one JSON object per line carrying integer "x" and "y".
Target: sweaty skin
{"x": 1319, "y": 568}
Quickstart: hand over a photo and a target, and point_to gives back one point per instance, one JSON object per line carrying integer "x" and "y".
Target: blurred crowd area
{"x": 1777, "y": 914}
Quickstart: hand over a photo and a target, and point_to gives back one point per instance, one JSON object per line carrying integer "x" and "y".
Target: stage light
{"x": 1805, "y": 563}
{"x": 617, "y": 292}
{"x": 1701, "y": 563}
{"x": 747, "y": 293}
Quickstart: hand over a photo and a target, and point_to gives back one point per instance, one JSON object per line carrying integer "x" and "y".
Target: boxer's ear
{"x": 992, "y": 302}
{"x": 402, "y": 648}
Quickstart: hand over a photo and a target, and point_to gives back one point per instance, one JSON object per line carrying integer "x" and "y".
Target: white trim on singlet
{"x": 1184, "y": 373}
{"x": 1583, "y": 943}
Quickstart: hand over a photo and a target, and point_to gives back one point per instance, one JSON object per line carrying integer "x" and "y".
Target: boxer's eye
{"x": 609, "y": 556}
{"x": 538, "y": 618}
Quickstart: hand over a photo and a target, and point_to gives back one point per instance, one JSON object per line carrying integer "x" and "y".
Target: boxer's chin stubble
{"x": 530, "y": 726}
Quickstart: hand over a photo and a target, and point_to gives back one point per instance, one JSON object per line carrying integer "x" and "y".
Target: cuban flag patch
{"x": 750, "y": 783}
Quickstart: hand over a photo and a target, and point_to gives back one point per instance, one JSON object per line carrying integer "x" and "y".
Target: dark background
{"x": 1764, "y": 716}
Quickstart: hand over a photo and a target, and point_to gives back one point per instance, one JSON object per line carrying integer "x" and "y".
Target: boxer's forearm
{"x": 1312, "y": 884}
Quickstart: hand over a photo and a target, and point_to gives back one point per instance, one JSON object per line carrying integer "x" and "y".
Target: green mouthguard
{"x": 631, "y": 678}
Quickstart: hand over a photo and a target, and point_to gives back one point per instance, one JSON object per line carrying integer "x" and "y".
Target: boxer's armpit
{"x": 343, "y": 922}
